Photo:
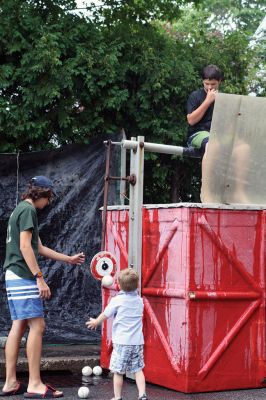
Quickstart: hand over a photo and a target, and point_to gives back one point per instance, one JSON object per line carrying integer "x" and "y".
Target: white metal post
{"x": 138, "y": 203}
{"x": 135, "y": 210}
{"x": 123, "y": 171}
{"x": 131, "y": 208}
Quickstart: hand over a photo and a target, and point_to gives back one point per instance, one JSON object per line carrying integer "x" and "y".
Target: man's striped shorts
{"x": 23, "y": 297}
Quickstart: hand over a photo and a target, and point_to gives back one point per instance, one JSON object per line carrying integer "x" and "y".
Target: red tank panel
{"x": 203, "y": 286}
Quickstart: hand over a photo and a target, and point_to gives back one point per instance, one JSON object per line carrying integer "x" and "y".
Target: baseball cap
{"x": 42, "y": 182}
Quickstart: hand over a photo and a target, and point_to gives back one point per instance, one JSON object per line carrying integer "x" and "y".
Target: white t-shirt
{"x": 127, "y": 310}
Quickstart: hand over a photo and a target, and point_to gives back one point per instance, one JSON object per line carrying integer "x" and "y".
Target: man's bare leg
{"x": 208, "y": 172}
{"x": 241, "y": 156}
{"x": 205, "y": 195}
{"x": 11, "y": 352}
{"x": 34, "y": 350}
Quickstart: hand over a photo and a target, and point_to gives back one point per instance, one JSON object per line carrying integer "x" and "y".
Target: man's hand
{"x": 44, "y": 290}
{"x": 77, "y": 258}
{"x": 211, "y": 94}
{"x": 92, "y": 323}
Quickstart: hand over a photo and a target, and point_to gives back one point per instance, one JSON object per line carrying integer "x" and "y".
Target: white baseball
{"x": 107, "y": 280}
{"x": 86, "y": 371}
{"x": 83, "y": 392}
{"x": 97, "y": 370}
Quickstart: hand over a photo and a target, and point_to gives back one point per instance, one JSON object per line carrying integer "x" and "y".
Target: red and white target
{"x": 103, "y": 263}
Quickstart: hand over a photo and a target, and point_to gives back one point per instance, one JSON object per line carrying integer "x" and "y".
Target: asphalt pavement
{"x": 101, "y": 389}
{"x": 61, "y": 367}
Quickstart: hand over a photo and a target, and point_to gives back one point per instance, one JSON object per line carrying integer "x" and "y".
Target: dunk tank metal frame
{"x": 202, "y": 270}
{"x": 136, "y": 181}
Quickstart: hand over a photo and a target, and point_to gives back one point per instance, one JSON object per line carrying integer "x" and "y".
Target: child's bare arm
{"x": 94, "y": 322}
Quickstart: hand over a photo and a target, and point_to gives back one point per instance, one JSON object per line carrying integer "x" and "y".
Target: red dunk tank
{"x": 203, "y": 287}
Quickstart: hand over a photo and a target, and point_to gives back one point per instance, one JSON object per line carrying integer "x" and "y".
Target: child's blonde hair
{"x": 128, "y": 280}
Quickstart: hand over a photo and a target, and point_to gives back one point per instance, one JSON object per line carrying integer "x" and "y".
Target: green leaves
{"x": 115, "y": 12}
{"x": 65, "y": 78}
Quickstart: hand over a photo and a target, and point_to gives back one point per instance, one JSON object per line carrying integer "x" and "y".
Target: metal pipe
{"x": 106, "y": 142}
{"x": 119, "y": 178}
{"x": 158, "y": 292}
{"x": 105, "y": 196}
{"x": 163, "y": 148}
{"x": 123, "y": 168}
{"x": 154, "y": 147}
{"x": 129, "y": 144}
{"x": 223, "y": 295}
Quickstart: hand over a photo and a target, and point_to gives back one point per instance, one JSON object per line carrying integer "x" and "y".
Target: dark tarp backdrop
{"x": 71, "y": 224}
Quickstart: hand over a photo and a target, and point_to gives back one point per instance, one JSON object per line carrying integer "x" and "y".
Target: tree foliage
{"x": 224, "y": 31}
{"x": 115, "y": 12}
{"x": 65, "y": 78}
{"x": 44, "y": 62}
{"x": 241, "y": 15}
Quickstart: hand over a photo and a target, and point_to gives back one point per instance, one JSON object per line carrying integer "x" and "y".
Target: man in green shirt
{"x": 26, "y": 288}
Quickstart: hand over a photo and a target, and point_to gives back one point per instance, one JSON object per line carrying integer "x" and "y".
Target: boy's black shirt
{"x": 195, "y": 99}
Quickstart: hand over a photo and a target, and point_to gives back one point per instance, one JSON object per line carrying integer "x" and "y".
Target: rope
{"x": 17, "y": 194}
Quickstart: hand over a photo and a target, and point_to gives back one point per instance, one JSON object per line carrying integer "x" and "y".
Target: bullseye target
{"x": 103, "y": 263}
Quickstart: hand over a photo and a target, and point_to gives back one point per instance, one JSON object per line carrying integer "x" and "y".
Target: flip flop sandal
{"x": 50, "y": 393}
{"x": 20, "y": 390}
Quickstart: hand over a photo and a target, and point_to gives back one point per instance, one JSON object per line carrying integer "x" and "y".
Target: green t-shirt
{"x": 23, "y": 218}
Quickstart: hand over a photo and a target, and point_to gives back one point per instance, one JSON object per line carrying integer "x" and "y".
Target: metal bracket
{"x": 130, "y": 179}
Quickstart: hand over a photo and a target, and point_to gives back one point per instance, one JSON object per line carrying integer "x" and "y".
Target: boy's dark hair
{"x": 212, "y": 72}
{"x": 128, "y": 280}
{"x": 36, "y": 193}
